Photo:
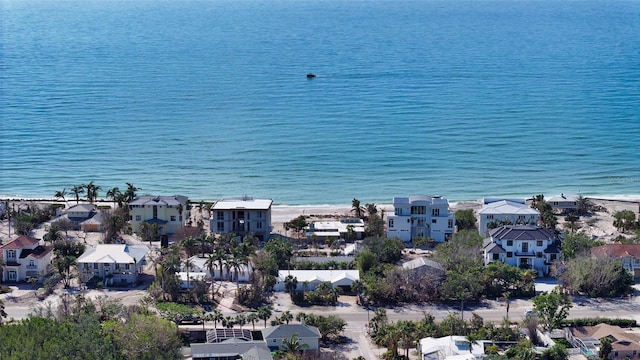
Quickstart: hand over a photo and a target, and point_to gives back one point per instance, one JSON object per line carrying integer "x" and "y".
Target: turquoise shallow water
{"x": 210, "y": 99}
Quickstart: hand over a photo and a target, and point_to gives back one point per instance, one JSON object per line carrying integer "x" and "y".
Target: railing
{"x": 31, "y": 267}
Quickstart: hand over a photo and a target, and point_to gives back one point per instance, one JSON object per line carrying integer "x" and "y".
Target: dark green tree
{"x": 552, "y": 308}
{"x": 465, "y": 219}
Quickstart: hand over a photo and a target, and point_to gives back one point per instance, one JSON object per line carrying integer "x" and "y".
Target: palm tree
{"x": 292, "y": 345}
{"x": 211, "y": 267}
{"x": 220, "y": 256}
{"x": 61, "y": 194}
{"x": 228, "y": 322}
{"x": 241, "y": 320}
{"x": 77, "y": 190}
{"x": 131, "y": 192}
{"x": 252, "y": 317}
{"x": 188, "y": 264}
{"x": 264, "y": 313}
{"x": 92, "y": 191}
{"x": 114, "y": 193}
{"x": 53, "y": 234}
{"x": 356, "y": 208}
{"x": 286, "y": 317}
{"x": 371, "y": 209}
{"x": 216, "y": 316}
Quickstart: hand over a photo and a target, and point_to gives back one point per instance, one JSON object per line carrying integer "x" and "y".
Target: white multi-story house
{"x": 628, "y": 254}
{"x": 168, "y": 212}
{"x": 242, "y": 216}
{"x": 495, "y": 213}
{"x": 421, "y": 216}
{"x": 25, "y": 258}
{"x": 525, "y": 246}
{"x": 116, "y": 264}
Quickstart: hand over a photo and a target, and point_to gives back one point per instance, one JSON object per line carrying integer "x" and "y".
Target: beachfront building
{"x": 114, "y": 264}
{"x": 499, "y": 212}
{"x": 85, "y": 217}
{"x": 349, "y": 229}
{"x": 168, "y": 212}
{"x": 628, "y": 254}
{"x": 421, "y": 216}
{"x": 308, "y": 336}
{"x": 450, "y": 348}
{"x": 242, "y": 216}
{"x": 564, "y": 203}
{"x": 525, "y": 246}
{"x": 310, "y": 279}
{"x": 25, "y": 258}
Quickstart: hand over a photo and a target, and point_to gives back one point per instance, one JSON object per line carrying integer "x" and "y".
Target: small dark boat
{"x": 311, "y": 75}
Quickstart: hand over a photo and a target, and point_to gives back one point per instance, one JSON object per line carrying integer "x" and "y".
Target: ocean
{"x": 210, "y": 99}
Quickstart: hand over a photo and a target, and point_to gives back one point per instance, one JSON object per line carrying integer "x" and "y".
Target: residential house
{"x": 115, "y": 264}
{"x": 85, "y": 217}
{"x": 564, "y": 203}
{"x": 495, "y": 213}
{"x": 525, "y": 246}
{"x": 421, "y": 216}
{"x": 625, "y": 344}
{"x": 25, "y": 258}
{"x": 450, "y": 348}
{"x": 242, "y": 216}
{"x": 423, "y": 265}
{"x": 628, "y": 254}
{"x": 308, "y": 336}
{"x": 348, "y": 229}
{"x": 168, "y": 212}
{"x": 310, "y": 279}
{"x": 231, "y": 349}
{"x": 199, "y": 265}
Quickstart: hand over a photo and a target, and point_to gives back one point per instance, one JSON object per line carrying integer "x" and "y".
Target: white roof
{"x": 114, "y": 253}
{"x": 507, "y": 207}
{"x": 243, "y": 203}
{"x": 319, "y": 275}
{"x": 192, "y": 276}
{"x": 453, "y": 347}
{"x": 563, "y": 198}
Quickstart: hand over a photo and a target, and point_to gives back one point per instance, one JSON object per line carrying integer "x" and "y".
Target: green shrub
{"x": 598, "y": 320}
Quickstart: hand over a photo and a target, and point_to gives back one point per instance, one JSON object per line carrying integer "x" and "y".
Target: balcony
{"x": 527, "y": 254}
{"x": 31, "y": 267}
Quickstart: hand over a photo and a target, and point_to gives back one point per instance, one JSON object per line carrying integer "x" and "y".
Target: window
{"x": 127, "y": 266}
{"x": 539, "y": 243}
{"x": 390, "y": 223}
{"x": 418, "y": 210}
{"x": 554, "y": 256}
{"x": 95, "y": 266}
{"x": 86, "y": 266}
{"x": 450, "y": 224}
{"x": 521, "y": 217}
{"x": 138, "y": 217}
{"x": 496, "y": 256}
{"x": 509, "y": 242}
{"x": 220, "y": 226}
{"x": 11, "y": 253}
{"x": 509, "y": 254}
{"x": 32, "y": 263}
{"x": 259, "y": 214}
{"x": 173, "y": 218}
{"x": 539, "y": 254}
{"x": 435, "y": 212}
{"x": 421, "y": 222}
{"x": 489, "y": 217}
{"x": 434, "y": 221}
{"x": 259, "y": 225}
{"x": 220, "y": 215}
{"x": 525, "y": 247}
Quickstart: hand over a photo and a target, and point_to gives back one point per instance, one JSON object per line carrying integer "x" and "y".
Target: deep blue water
{"x": 209, "y": 99}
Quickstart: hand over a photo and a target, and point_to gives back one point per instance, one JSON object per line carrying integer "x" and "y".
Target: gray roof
{"x": 494, "y": 248}
{"x": 288, "y": 330}
{"x": 173, "y": 200}
{"x": 553, "y": 248}
{"x": 421, "y": 262}
{"x": 255, "y": 349}
{"x": 522, "y": 232}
